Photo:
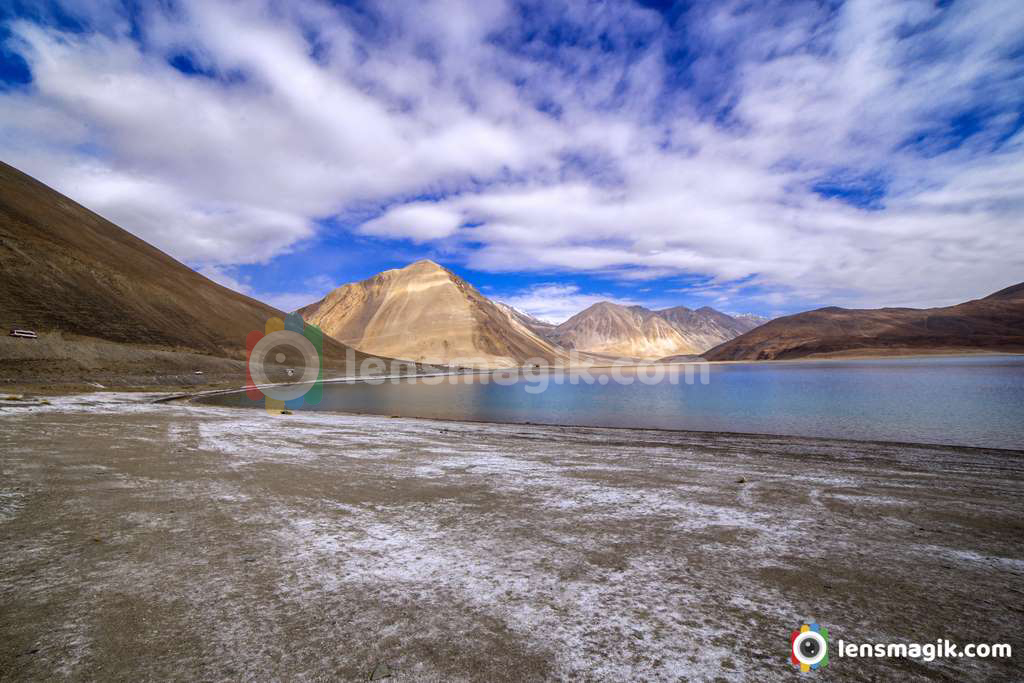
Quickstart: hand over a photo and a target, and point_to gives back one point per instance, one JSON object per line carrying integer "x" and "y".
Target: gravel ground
{"x": 175, "y": 541}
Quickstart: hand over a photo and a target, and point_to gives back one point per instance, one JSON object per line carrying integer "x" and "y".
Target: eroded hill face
{"x": 637, "y": 332}
{"x": 995, "y": 323}
{"x": 67, "y": 271}
{"x": 425, "y": 313}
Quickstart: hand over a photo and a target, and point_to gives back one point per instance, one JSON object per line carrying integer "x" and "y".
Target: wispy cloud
{"x": 555, "y": 302}
{"x": 870, "y": 152}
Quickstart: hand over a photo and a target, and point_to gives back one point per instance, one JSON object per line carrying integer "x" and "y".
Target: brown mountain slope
{"x": 426, "y": 313}
{"x": 66, "y": 269}
{"x": 637, "y": 332}
{"x": 995, "y": 323}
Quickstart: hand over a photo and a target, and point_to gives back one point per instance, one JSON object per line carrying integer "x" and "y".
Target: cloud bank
{"x": 868, "y": 152}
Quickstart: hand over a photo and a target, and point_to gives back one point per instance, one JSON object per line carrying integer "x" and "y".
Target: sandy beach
{"x": 143, "y": 541}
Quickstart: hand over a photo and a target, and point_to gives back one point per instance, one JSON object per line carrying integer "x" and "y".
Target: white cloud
{"x": 420, "y": 221}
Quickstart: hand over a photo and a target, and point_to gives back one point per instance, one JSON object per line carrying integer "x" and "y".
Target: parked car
{"x": 24, "y": 334}
{"x": 198, "y": 372}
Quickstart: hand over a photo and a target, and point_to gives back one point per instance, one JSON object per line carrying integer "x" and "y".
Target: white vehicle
{"x": 198, "y": 372}
{"x": 24, "y": 334}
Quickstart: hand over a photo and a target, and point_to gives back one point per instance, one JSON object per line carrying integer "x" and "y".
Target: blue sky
{"x": 755, "y": 157}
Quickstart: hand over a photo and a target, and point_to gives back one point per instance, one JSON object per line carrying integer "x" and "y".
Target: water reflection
{"x": 973, "y": 400}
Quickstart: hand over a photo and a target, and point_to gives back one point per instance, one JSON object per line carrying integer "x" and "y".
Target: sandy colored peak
{"x": 425, "y": 265}
{"x": 424, "y": 312}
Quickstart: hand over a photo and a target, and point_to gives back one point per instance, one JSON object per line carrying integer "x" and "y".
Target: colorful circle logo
{"x": 302, "y": 341}
{"x": 261, "y": 351}
{"x": 809, "y": 647}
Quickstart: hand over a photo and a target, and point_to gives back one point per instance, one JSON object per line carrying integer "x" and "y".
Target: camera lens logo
{"x": 270, "y": 352}
{"x": 809, "y": 647}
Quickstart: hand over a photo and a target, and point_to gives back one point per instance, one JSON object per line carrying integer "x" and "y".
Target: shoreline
{"x": 558, "y": 425}
{"x": 195, "y": 399}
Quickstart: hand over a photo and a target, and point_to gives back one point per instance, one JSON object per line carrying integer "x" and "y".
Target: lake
{"x": 967, "y": 400}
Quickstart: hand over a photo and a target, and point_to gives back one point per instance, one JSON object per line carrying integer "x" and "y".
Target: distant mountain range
{"x": 426, "y": 313}
{"x": 994, "y": 323}
{"x": 637, "y": 332}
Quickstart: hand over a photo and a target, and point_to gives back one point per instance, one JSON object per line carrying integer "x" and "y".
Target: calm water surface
{"x": 971, "y": 400}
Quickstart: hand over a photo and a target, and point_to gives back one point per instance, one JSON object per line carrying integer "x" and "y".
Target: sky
{"x": 751, "y": 156}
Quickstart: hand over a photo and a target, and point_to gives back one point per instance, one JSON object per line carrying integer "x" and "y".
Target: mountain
{"x": 637, "y": 332}
{"x": 995, "y": 323}
{"x": 74, "y": 276}
{"x": 426, "y": 313}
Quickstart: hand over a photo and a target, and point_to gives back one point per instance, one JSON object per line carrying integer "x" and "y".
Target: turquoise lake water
{"x": 969, "y": 400}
